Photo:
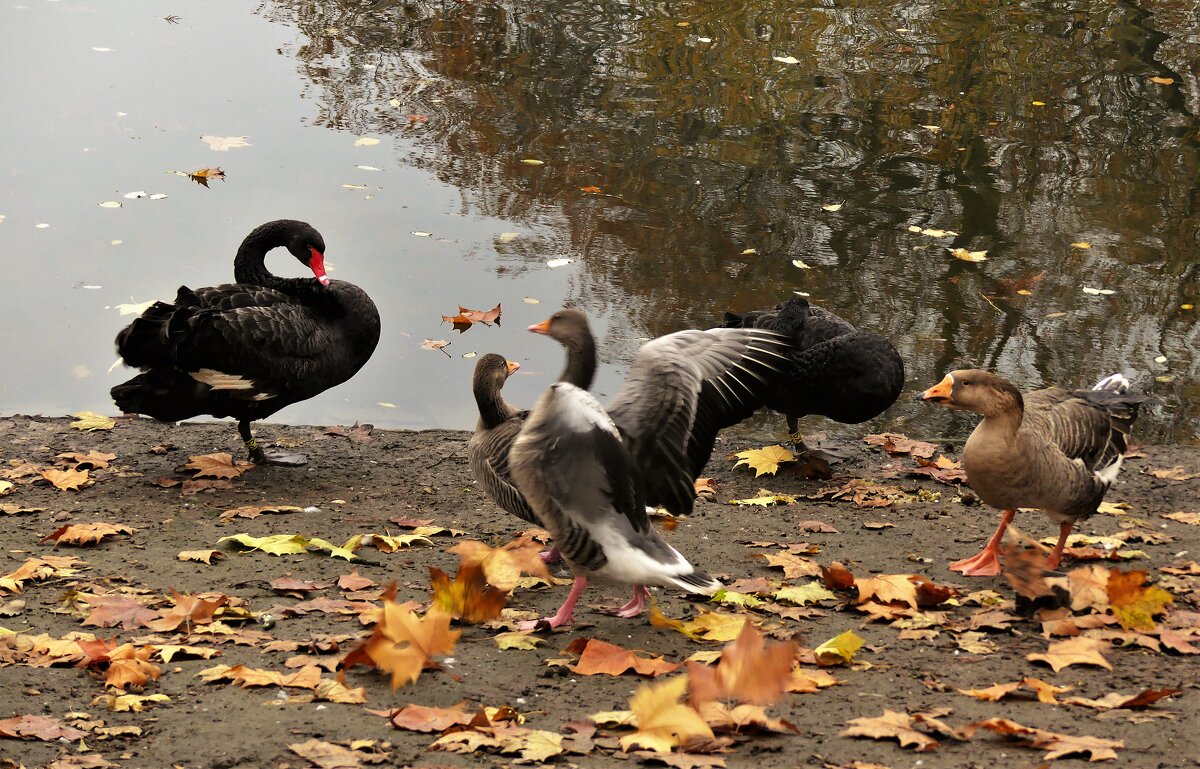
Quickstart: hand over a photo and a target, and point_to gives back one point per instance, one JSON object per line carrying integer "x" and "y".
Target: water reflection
{"x": 727, "y": 139}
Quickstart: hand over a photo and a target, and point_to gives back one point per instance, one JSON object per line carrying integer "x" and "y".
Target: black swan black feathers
{"x": 247, "y": 349}
{"x": 835, "y": 370}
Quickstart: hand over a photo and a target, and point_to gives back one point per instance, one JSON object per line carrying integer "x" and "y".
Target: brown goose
{"x": 495, "y": 432}
{"x": 1057, "y": 450}
{"x": 587, "y": 473}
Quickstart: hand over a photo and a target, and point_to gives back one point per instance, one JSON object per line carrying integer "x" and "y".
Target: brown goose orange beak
{"x": 512, "y": 366}
{"x": 541, "y": 328}
{"x": 942, "y": 392}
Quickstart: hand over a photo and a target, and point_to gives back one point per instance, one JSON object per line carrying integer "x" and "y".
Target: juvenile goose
{"x": 494, "y": 435}
{"x": 1053, "y": 449}
{"x": 587, "y": 473}
{"x": 835, "y": 370}
{"x": 249, "y": 348}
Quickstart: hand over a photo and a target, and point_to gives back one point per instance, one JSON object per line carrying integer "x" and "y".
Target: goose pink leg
{"x": 635, "y": 605}
{"x": 987, "y": 562}
{"x": 553, "y": 555}
{"x": 565, "y": 614}
{"x": 1064, "y": 531}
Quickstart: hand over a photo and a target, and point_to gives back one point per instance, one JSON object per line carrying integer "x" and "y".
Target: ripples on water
{"x": 1023, "y": 128}
{"x": 910, "y": 114}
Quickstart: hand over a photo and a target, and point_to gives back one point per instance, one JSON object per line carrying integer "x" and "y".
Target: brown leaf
{"x": 93, "y": 460}
{"x": 1115, "y": 700}
{"x": 895, "y": 443}
{"x": 467, "y": 318}
{"x": 1133, "y": 604}
{"x": 204, "y": 556}
{"x": 188, "y": 610}
{"x": 600, "y": 657}
{"x": 1073, "y": 651}
{"x": 750, "y": 670}
{"x": 892, "y": 724}
{"x": 503, "y": 566}
{"x": 68, "y": 480}
{"x": 1176, "y": 473}
{"x": 220, "y": 466}
{"x": 467, "y": 597}
{"x": 1182, "y": 517}
{"x": 356, "y": 433}
{"x": 837, "y": 577}
{"x": 85, "y": 533}
{"x": 355, "y": 581}
{"x": 419, "y": 718}
{"x": 1058, "y": 745}
{"x": 887, "y": 588}
{"x": 112, "y": 610}
{"x": 943, "y": 470}
{"x": 38, "y": 728}
{"x": 253, "y": 511}
{"x": 202, "y": 176}
{"x": 793, "y": 566}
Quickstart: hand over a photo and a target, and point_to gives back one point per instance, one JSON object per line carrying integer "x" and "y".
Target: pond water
{"x": 688, "y": 156}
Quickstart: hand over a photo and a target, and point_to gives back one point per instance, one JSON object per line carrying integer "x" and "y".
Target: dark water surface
{"x": 689, "y": 153}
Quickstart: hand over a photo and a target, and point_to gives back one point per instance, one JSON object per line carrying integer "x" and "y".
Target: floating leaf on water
{"x": 557, "y": 262}
{"x": 158, "y": 196}
{"x": 1038, "y": 103}
{"x": 832, "y": 206}
{"x": 1160, "y": 359}
{"x": 394, "y": 102}
{"x": 134, "y": 309}
{"x": 802, "y": 293}
{"x": 101, "y": 49}
{"x": 1056, "y": 315}
{"x": 704, "y": 39}
{"x": 1098, "y": 291}
{"x": 368, "y": 168}
{"x": 748, "y": 251}
{"x": 968, "y": 256}
{"x": 415, "y": 118}
{"x": 116, "y": 242}
{"x": 137, "y": 194}
{"x": 354, "y": 186}
{"x": 433, "y": 344}
{"x": 913, "y": 228}
{"x": 507, "y": 237}
{"x": 786, "y": 59}
{"x": 224, "y": 143}
{"x": 110, "y": 204}
{"x": 366, "y": 141}
{"x": 1162, "y": 80}
{"x": 1186, "y": 306}
{"x": 41, "y": 225}
{"x": 420, "y": 233}
{"x": 533, "y": 162}
{"x": 800, "y": 263}
{"x": 531, "y": 300}
{"x": 1164, "y": 378}
{"x": 936, "y": 233}
{"x": 1081, "y": 244}
{"x": 933, "y": 128}
{"x": 593, "y": 189}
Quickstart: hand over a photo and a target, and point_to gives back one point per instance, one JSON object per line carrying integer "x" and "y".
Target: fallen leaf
{"x": 67, "y": 480}
{"x": 525, "y": 640}
{"x": 37, "y": 569}
{"x": 113, "y": 610}
{"x": 90, "y": 421}
{"x": 467, "y": 597}
{"x": 968, "y": 256}
{"x": 1057, "y": 745}
{"x": 253, "y": 511}
{"x": 93, "y": 460}
{"x": 1176, "y": 473}
{"x": 749, "y": 670}
{"x": 663, "y": 722}
{"x": 275, "y": 544}
{"x": 598, "y": 657}
{"x": 1073, "y": 651}
{"x": 1192, "y": 519}
{"x": 219, "y": 466}
{"x": 1133, "y": 604}
{"x": 895, "y": 443}
{"x": 1116, "y": 700}
{"x": 404, "y": 643}
{"x": 765, "y": 460}
{"x": 224, "y": 143}
{"x": 892, "y": 724}
{"x": 38, "y": 728}
{"x": 839, "y": 650}
{"x": 85, "y": 533}
{"x": 503, "y": 566}
{"x": 708, "y": 626}
{"x": 793, "y": 565}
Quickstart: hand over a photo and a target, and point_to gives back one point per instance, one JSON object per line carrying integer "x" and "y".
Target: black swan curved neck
{"x": 249, "y": 266}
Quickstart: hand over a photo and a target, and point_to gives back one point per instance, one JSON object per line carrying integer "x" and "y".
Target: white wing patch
{"x": 1109, "y": 474}
{"x": 219, "y": 380}
{"x": 581, "y": 411}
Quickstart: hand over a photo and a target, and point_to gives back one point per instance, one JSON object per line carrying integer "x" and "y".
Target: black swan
{"x": 247, "y": 349}
{"x": 1057, "y": 450}
{"x": 836, "y": 371}
{"x": 587, "y": 473}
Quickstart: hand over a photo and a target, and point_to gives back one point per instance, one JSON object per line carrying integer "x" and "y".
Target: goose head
{"x": 975, "y": 390}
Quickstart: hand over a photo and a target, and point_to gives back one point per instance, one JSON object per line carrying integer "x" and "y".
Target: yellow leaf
{"x": 839, "y": 649}
{"x": 275, "y": 544}
{"x": 1133, "y": 604}
{"x": 968, "y": 256}
{"x": 764, "y": 460}
{"x": 1081, "y": 244}
{"x": 90, "y": 421}
{"x": 1038, "y": 103}
{"x": 67, "y": 480}
{"x": 345, "y": 551}
{"x": 524, "y": 640}
{"x": 204, "y": 556}
{"x": 662, "y": 720}
{"x": 766, "y": 500}
{"x": 533, "y": 162}
{"x": 1162, "y": 80}
{"x": 802, "y": 595}
{"x": 709, "y": 626}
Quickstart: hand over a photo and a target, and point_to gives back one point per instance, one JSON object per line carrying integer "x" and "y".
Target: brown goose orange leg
{"x": 1064, "y": 531}
{"x": 987, "y": 562}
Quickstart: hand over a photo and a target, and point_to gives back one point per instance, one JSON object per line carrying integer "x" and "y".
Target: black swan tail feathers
{"x": 163, "y": 394}
{"x": 143, "y": 343}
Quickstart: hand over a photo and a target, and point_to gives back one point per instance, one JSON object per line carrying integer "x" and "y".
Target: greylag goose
{"x": 587, "y": 473}
{"x": 836, "y": 371}
{"x": 1057, "y": 450}
{"x": 247, "y": 349}
{"x": 497, "y": 428}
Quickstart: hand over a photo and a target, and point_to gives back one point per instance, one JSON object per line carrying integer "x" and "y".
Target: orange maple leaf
{"x": 219, "y": 465}
{"x": 750, "y": 670}
{"x": 404, "y": 643}
{"x": 467, "y": 597}
{"x": 600, "y": 657}
{"x": 503, "y": 566}
{"x": 1134, "y": 604}
{"x": 189, "y": 609}
{"x": 85, "y": 533}
{"x": 1073, "y": 651}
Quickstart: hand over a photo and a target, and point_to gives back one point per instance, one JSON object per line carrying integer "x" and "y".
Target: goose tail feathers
{"x": 697, "y": 582}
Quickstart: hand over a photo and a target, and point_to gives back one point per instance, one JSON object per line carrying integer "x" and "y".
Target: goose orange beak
{"x": 941, "y": 392}
{"x": 512, "y": 366}
{"x": 541, "y": 328}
